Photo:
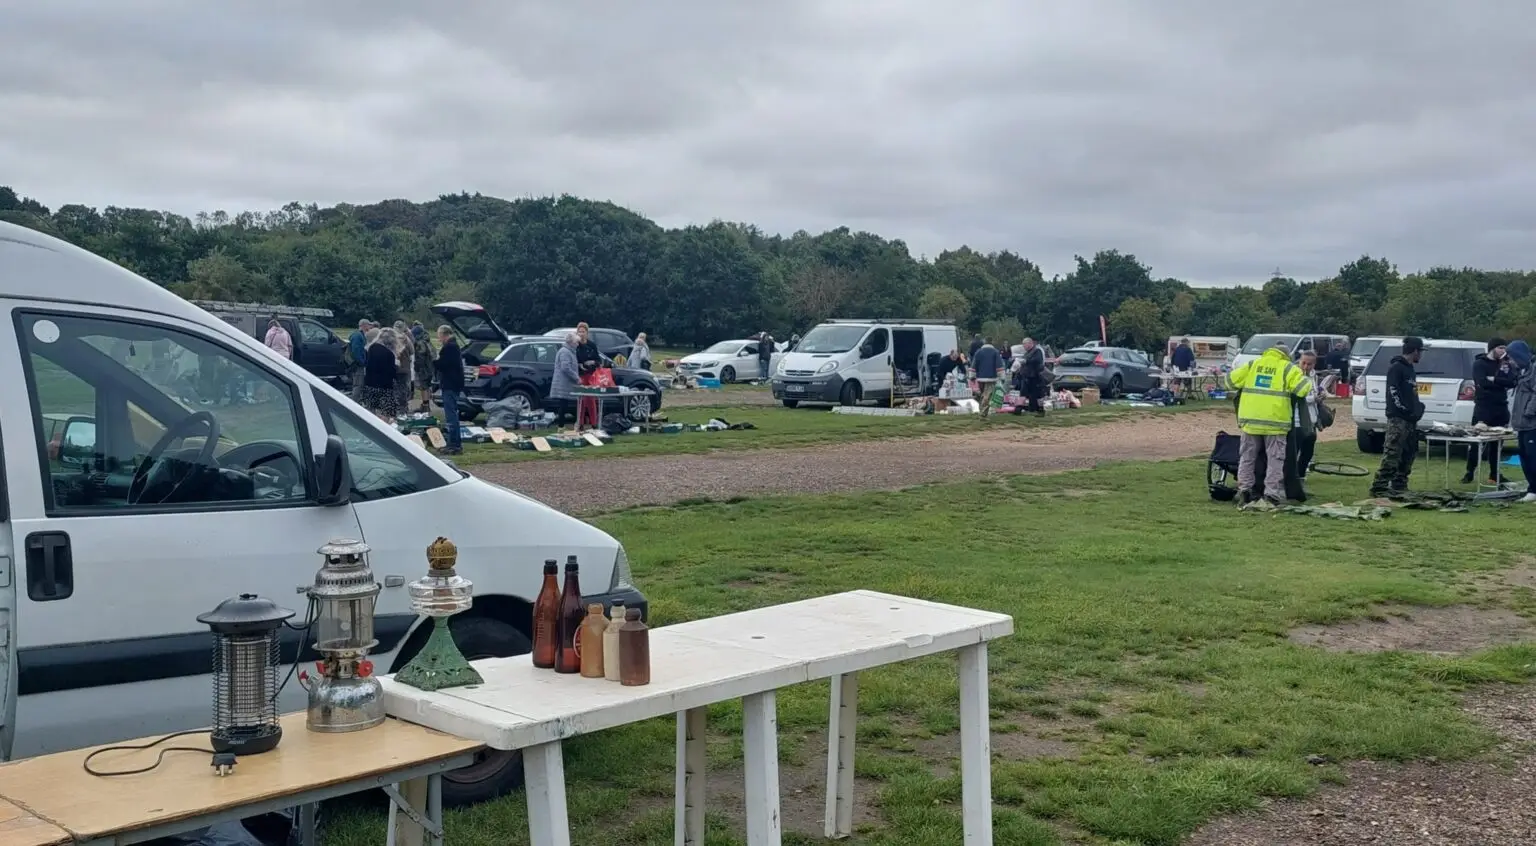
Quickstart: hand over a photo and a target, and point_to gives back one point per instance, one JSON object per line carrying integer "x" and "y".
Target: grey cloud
{"x": 1215, "y": 140}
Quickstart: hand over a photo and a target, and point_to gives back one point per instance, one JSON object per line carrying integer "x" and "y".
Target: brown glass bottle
{"x": 634, "y": 650}
{"x": 568, "y": 629}
{"x": 592, "y": 642}
{"x": 546, "y": 617}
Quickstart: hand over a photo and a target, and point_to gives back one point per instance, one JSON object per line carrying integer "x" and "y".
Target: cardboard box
{"x": 1090, "y": 396}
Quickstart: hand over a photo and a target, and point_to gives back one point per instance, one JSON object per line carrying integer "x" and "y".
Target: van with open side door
{"x": 850, "y": 361}
{"x": 158, "y": 460}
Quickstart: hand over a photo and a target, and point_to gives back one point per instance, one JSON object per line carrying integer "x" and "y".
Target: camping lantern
{"x": 346, "y": 696}
{"x": 245, "y": 663}
{"x": 440, "y": 594}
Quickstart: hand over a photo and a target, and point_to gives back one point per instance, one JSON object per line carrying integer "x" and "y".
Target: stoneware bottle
{"x": 634, "y": 650}
{"x": 592, "y": 630}
{"x": 611, "y": 643}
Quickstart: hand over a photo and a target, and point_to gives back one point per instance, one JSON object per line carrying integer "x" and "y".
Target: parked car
{"x": 162, "y": 500}
{"x": 1113, "y": 370}
{"x": 728, "y": 361}
{"x": 315, "y": 347}
{"x": 524, "y": 368}
{"x": 1294, "y": 344}
{"x": 1445, "y": 386}
{"x": 1362, "y": 350}
{"x": 610, "y": 342}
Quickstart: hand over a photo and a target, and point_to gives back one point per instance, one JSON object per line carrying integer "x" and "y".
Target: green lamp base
{"x": 439, "y": 664}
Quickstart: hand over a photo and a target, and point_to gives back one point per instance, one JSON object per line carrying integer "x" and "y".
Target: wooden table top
{"x": 699, "y": 663}
{"x": 58, "y": 792}
{"x": 20, "y": 828}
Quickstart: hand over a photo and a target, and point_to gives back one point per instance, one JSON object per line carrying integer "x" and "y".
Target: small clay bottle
{"x": 634, "y": 650}
{"x": 592, "y": 630}
{"x": 611, "y": 643}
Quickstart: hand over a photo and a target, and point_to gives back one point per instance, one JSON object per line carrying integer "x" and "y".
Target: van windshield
{"x": 831, "y": 338}
{"x": 1364, "y": 348}
{"x": 1436, "y": 362}
{"x": 1259, "y": 343}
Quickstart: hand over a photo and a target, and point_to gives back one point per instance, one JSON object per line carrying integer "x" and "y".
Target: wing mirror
{"x": 333, "y": 474}
{"x": 77, "y": 443}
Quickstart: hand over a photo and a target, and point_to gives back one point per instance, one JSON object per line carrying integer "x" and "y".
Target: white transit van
{"x": 158, "y": 460}
{"x": 1296, "y": 344}
{"x": 849, "y": 361}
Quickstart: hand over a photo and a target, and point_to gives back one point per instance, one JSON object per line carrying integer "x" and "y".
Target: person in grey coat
{"x": 567, "y": 375}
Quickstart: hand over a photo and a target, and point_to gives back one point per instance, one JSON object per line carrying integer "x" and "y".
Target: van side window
{"x": 878, "y": 342}
{"x": 133, "y": 415}
{"x": 380, "y": 469}
{"x": 311, "y": 332}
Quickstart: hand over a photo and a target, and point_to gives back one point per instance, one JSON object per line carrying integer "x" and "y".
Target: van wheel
{"x": 493, "y": 773}
{"x": 1369, "y": 441}
{"x": 728, "y": 375}
{"x": 850, "y": 394}
{"x": 791, "y": 403}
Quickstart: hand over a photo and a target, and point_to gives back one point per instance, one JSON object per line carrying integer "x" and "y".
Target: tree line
{"x": 551, "y": 261}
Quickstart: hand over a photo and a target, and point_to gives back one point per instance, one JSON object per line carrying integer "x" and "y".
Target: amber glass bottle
{"x": 568, "y": 629}
{"x": 592, "y": 642}
{"x": 546, "y": 616}
{"x": 634, "y": 650}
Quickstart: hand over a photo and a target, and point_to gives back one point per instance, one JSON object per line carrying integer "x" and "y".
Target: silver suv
{"x": 1445, "y": 385}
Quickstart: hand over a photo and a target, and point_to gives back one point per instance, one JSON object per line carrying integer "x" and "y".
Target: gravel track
{"x": 590, "y": 486}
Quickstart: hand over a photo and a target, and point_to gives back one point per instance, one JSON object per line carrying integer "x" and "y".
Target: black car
{"x": 524, "y": 367}
{"x": 315, "y": 347}
{"x": 610, "y": 342}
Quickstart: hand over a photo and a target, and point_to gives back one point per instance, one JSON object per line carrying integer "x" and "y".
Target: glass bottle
{"x": 611, "y": 643}
{"x": 634, "y": 650}
{"x": 546, "y": 613}
{"x": 568, "y": 627}
{"x": 592, "y": 629}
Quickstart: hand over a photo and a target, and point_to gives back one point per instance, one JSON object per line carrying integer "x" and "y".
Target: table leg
{"x": 688, "y": 824}
{"x": 403, "y": 830}
{"x": 549, "y": 823}
{"x": 309, "y": 834}
{"x": 760, "y": 750}
{"x": 840, "y": 737}
{"x": 435, "y": 806}
{"x": 975, "y": 747}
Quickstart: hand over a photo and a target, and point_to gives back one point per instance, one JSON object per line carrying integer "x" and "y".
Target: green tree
{"x": 1327, "y": 307}
{"x": 1138, "y": 323}
{"x": 1003, "y": 332}
{"x": 1368, "y": 280}
{"x": 942, "y": 302}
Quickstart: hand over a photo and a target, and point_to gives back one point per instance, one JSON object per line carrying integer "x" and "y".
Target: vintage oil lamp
{"x": 345, "y": 696}
{"x": 245, "y": 664}
{"x": 440, "y": 594}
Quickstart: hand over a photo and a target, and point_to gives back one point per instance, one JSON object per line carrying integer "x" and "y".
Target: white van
{"x": 158, "y": 460}
{"x": 1295, "y": 344}
{"x": 849, "y": 361}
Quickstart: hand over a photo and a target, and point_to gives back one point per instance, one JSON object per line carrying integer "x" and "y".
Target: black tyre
{"x": 524, "y": 400}
{"x": 850, "y": 394}
{"x": 493, "y": 773}
{"x": 791, "y": 403}
{"x": 1369, "y": 441}
{"x": 728, "y": 374}
{"x": 641, "y": 407}
{"x": 1116, "y": 385}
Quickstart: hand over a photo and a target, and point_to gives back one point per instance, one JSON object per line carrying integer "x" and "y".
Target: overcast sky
{"x": 1216, "y": 140}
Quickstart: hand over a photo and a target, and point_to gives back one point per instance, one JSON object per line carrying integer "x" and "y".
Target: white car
{"x": 728, "y": 361}
{"x": 1362, "y": 350}
{"x": 1445, "y": 386}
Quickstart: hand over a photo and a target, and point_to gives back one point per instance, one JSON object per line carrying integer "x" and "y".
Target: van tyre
{"x": 791, "y": 403}
{"x": 728, "y": 374}
{"x": 1369, "y": 441}
{"x": 850, "y": 394}
{"x": 493, "y": 773}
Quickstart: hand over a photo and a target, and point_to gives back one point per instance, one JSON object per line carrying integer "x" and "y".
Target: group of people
{"x": 391, "y": 363}
{"x": 1279, "y": 405}
{"x": 1503, "y": 368}
{"x": 1023, "y": 366}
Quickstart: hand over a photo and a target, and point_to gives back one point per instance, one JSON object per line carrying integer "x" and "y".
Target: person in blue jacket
{"x": 357, "y": 353}
{"x": 988, "y": 364}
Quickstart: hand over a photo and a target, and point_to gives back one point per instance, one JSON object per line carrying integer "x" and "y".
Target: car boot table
{"x": 51, "y": 799}
{"x": 745, "y": 656}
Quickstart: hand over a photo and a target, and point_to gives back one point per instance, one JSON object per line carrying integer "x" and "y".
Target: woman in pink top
{"x": 278, "y": 340}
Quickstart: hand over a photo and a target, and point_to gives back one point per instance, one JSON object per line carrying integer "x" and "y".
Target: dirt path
{"x": 584, "y": 487}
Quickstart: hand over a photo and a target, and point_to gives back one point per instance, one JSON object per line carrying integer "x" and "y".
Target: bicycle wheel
{"x": 1338, "y": 468}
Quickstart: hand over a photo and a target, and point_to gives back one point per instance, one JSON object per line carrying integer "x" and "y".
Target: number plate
{"x": 794, "y": 389}
{"x": 1425, "y": 389}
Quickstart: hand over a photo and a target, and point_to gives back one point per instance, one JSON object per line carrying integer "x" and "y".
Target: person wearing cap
{"x": 1267, "y": 388}
{"x": 1492, "y": 378}
{"x": 1404, "y": 410}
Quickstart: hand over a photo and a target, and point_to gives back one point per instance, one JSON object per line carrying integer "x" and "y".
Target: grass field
{"x": 1149, "y": 657}
{"x": 778, "y": 427}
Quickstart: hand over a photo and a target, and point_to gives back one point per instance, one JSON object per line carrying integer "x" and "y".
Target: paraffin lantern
{"x": 245, "y": 664}
{"x": 440, "y": 594}
{"x": 346, "y": 696}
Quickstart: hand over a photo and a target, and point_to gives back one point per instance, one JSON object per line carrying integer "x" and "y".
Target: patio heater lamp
{"x": 245, "y": 664}
{"x": 440, "y": 594}
{"x": 345, "y": 696}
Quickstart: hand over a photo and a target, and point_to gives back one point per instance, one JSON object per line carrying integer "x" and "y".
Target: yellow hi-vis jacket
{"x": 1268, "y": 383}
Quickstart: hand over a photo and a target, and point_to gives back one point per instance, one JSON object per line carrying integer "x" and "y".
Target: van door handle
{"x": 50, "y": 567}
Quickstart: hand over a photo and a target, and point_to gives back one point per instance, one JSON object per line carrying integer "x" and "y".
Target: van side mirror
{"x": 333, "y": 474}
{"x": 77, "y": 443}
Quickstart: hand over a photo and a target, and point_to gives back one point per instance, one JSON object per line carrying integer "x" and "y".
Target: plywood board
{"x": 499, "y": 435}
{"x": 435, "y": 437}
{"x": 58, "y": 788}
{"x": 540, "y": 444}
{"x": 592, "y": 439}
{"x": 416, "y": 439}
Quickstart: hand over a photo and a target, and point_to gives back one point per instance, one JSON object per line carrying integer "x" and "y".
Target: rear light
{"x": 1359, "y": 387}
{"x": 1098, "y": 361}
{"x": 1468, "y": 391}
{"x": 487, "y": 370}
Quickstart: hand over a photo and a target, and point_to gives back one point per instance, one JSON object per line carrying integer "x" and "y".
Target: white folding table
{"x": 747, "y": 656}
